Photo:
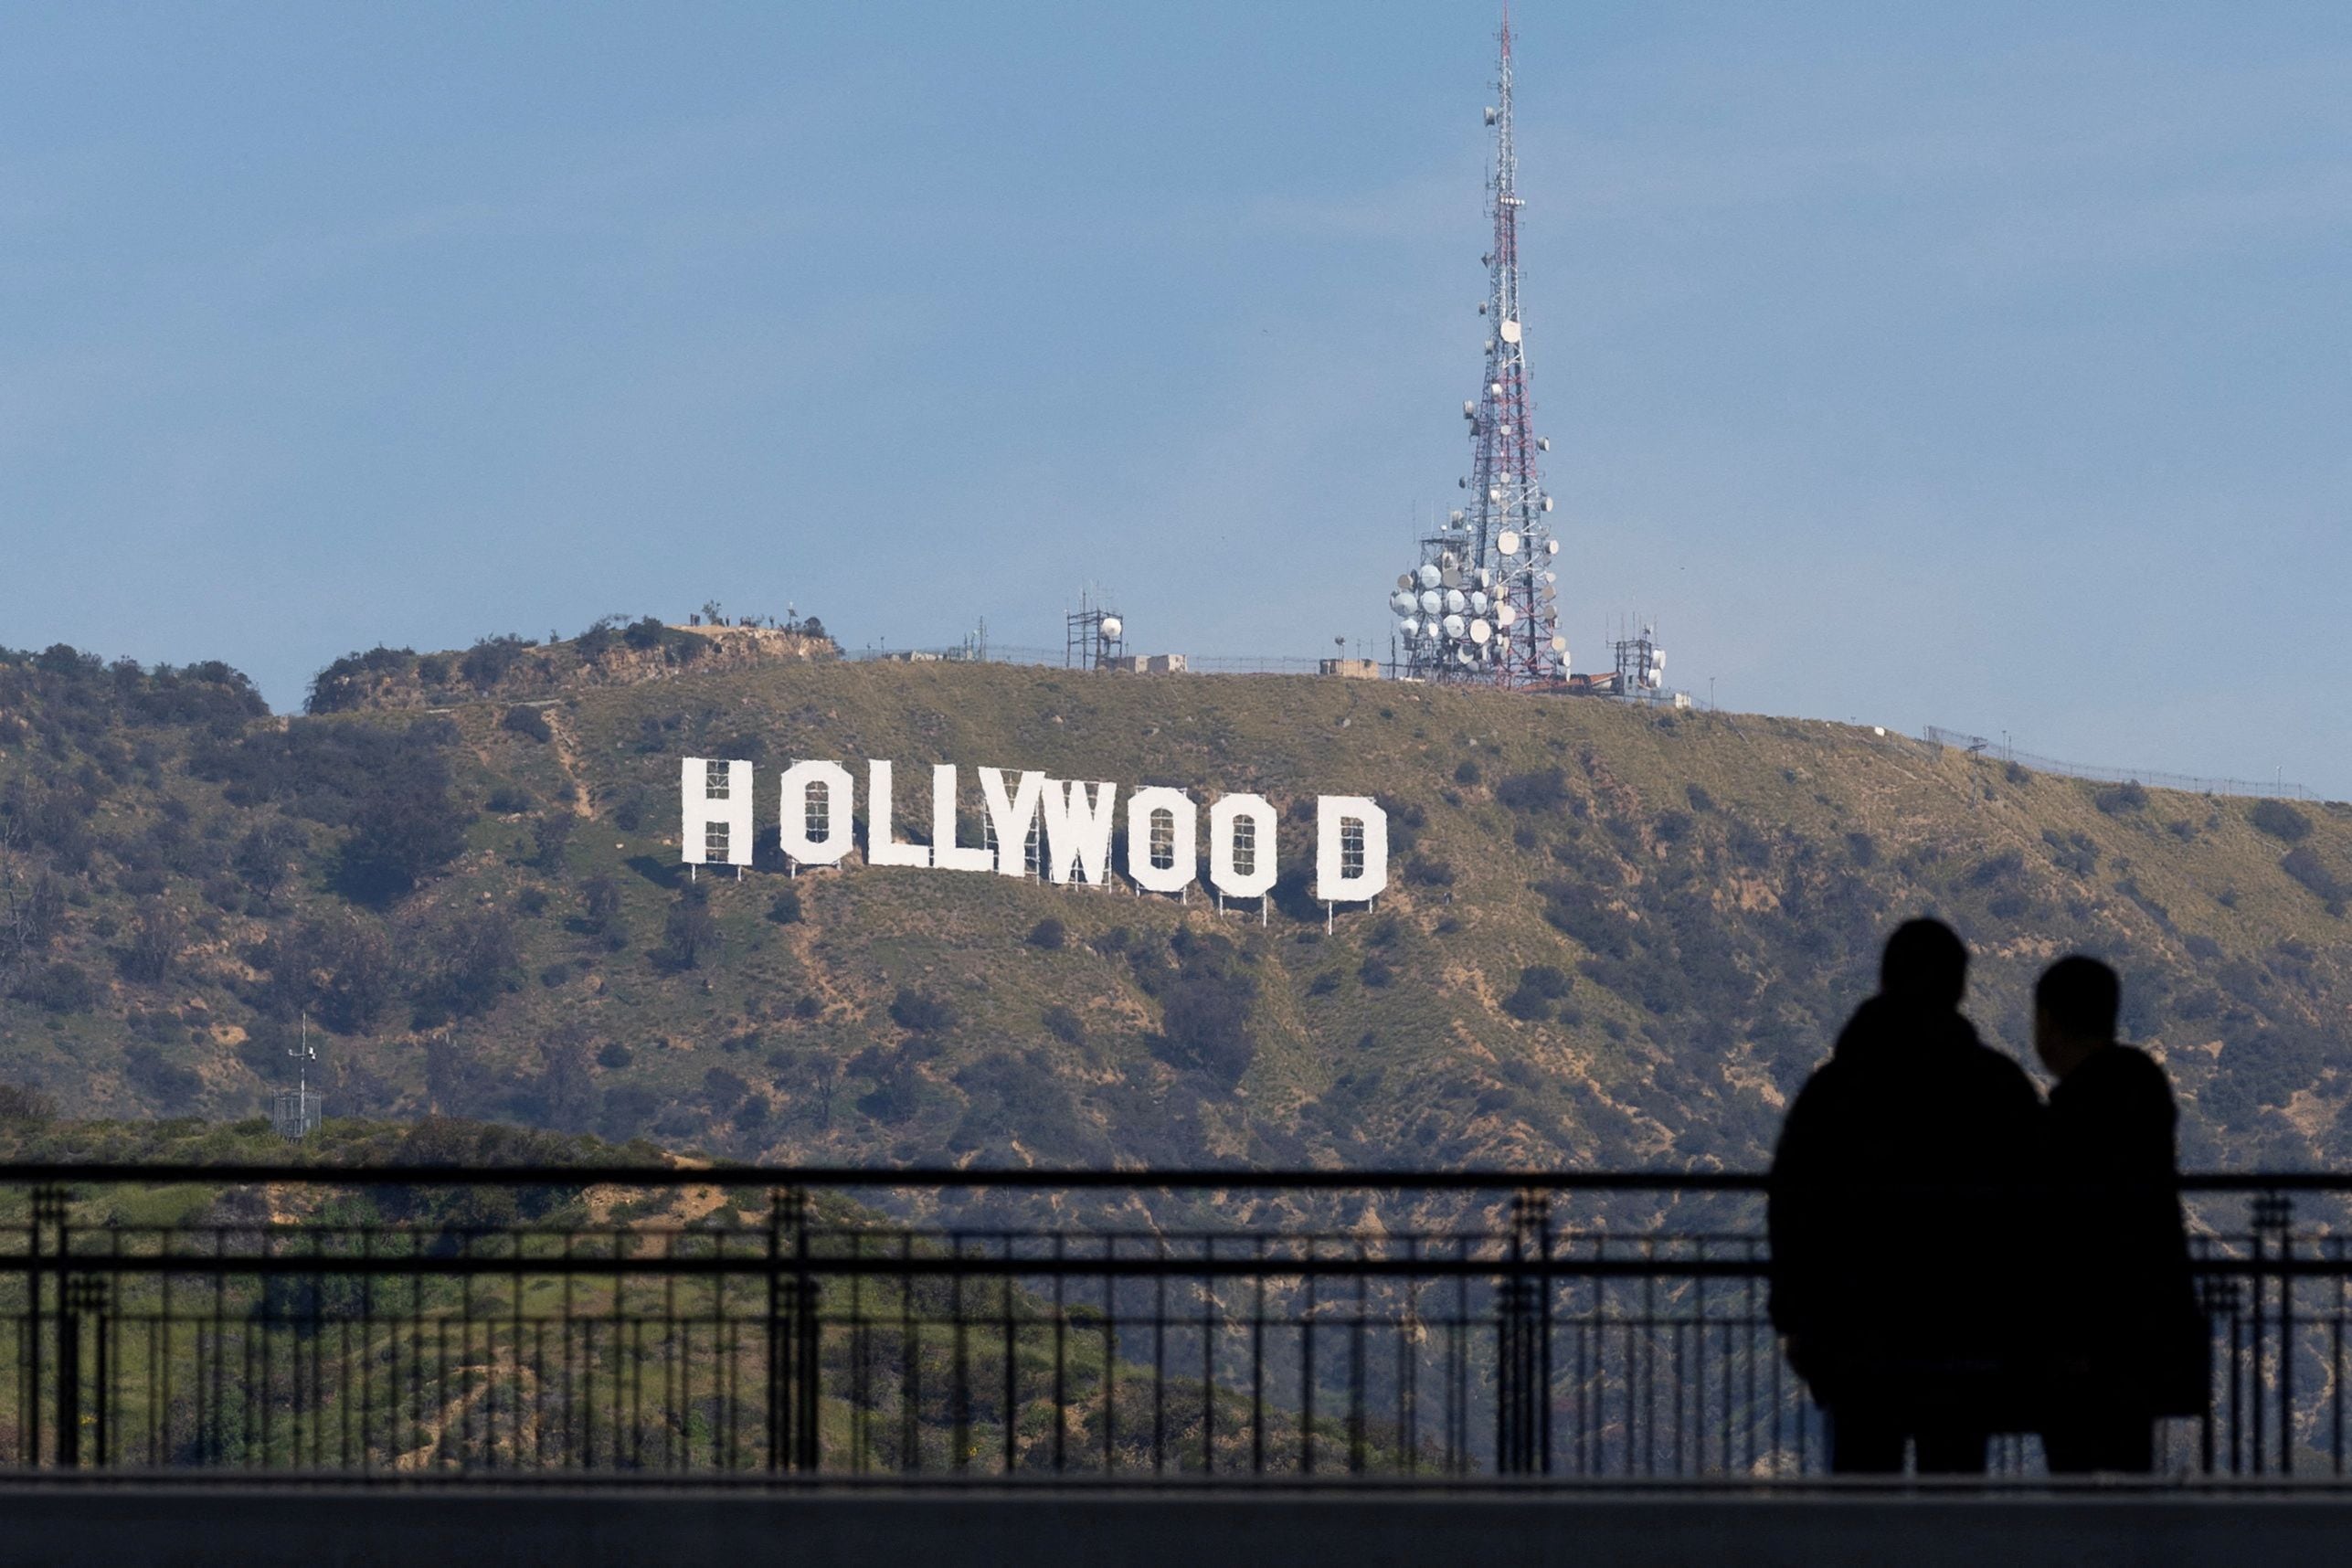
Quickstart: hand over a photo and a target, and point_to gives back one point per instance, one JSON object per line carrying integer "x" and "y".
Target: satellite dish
{"x": 1454, "y": 600}
{"x": 1508, "y": 542}
{"x": 1560, "y": 645}
{"x": 1401, "y": 602}
{"x": 1428, "y": 574}
{"x": 1552, "y": 548}
{"x": 1495, "y": 388}
{"x": 1657, "y": 657}
{"x": 1431, "y": 601}
{"x": 1494, "y": 492}
{"x": 1457, "y": 514}
{"x": 1481, "y": 631}
{"x": 1547, "y": 503}
{"x": 1552, "y": 577}
{"x": 1408, "y": 625}
{"x": 1404, "y": 579}
{"x": 1544, "y": 443}
{"x": 1453, "y": 625}
{"x": 1469, "y": 409}
{"x": 1485, "y": 578}
{"x": 1477, "y": 602}
{"x": 1451, "y": 577}
{"x": 1508, "y": 330}
{"x": 1505, "y": 614}
{"x": 1112, "y": 626}
{"x": 1492, "y": 112}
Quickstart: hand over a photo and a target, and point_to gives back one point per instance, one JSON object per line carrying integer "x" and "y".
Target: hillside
{"x": 1616, "y": 938}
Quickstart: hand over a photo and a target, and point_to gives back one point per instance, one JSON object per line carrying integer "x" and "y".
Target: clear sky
{"x": 1987, "y": 365}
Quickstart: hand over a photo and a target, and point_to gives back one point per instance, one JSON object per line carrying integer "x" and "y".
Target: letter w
{"x": 1078, "y": 831}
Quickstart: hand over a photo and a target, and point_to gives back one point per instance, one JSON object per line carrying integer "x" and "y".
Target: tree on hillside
{"x": 338, "y": 968}
{"x": 154, "y": 943}
{"x": 476, "y": 959}
{"x": 691, "y": 933}
{"x": 404, "y": 829}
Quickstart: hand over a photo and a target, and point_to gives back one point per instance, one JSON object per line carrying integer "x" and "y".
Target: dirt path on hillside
{"x": 567, "y": 758}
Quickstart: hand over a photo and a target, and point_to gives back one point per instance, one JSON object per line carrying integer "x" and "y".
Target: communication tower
{"x": 1641, "y": 663}
{"x": 296, "y": 1112}
{"x": 1094, "y": 636}
{"x": 1481, "y": 605}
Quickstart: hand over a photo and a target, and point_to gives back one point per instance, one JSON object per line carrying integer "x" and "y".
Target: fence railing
{"x": 2187, "y": 783}
{"x": 1209, "y": 1326}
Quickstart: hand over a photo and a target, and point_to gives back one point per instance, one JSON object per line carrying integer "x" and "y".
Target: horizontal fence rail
{"x": 659, "y": 1322}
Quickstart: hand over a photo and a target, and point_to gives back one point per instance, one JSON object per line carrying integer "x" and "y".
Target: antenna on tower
{"x": 1482, "y": 604}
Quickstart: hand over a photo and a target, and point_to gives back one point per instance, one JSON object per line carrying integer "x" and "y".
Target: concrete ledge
{"x": 106, "y": 1525}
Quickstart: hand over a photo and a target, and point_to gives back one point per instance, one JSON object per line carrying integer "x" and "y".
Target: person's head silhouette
{"x": 1924, "y": 965}
{"x": 2074, "y": 1007}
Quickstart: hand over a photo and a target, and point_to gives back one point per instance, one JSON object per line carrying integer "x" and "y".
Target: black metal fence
{"x": 659, "y": 1321}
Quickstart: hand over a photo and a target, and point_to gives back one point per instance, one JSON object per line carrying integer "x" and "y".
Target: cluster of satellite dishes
{"x": 1450, "y": 610}
{"x": 1649, "y": 661}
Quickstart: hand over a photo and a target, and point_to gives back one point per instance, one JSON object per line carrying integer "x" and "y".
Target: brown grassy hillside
{"x": 1615, "y": 936}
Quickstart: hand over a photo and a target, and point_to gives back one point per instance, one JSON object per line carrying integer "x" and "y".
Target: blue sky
{"x": 1984, "y": 365}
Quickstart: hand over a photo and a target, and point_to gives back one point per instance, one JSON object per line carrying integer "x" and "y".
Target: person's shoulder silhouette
{"x": 2130, "y": 1336}
{"x": 1897, "y": 1208}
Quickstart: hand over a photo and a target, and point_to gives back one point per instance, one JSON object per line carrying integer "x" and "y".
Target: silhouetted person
{"x": 2128, "y": 1341}
{"x": 1901, "y": 1219}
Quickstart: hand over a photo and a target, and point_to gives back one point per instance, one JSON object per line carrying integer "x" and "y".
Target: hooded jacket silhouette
{"x": 1904, "y": 1250}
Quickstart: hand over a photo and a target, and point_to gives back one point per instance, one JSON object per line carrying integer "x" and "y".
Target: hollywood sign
{"x": 1059, "y": 830}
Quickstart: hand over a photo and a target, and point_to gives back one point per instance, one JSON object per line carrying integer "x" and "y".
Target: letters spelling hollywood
{"x": 1073, "y": 821}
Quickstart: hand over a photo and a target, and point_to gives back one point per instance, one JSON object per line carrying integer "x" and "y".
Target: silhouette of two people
{"x": 1953, "y": 1258}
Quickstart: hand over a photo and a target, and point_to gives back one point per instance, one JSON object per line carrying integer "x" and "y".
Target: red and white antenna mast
{"x": 1482, "y": 605}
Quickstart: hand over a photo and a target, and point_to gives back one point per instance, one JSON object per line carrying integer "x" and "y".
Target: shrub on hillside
{"x": 785, "y": 907}
{"x": 690, "y": 932}
{"x": 474, "y": 960}
{"x": 2074, "y": 853}
{"x": 154, "y": 944}
{"x": 1205, "y": 1010}
{"x": 920, "y": 1013}
{"x": 528, "y": 722}
{"x": 337, "y": 968}
{"x": 2118, "y": 799}
{"x": 21, "y": 1103}
{"x": 345, "y": 683}
{"x": 60, "y": 987}
{"x": 2325, "y": 884}
{"x": 1544, "y": 789}
{"x": 403, "y": 827}
{"x": 172, "y": 1086}
{"x": 489, "y": 661}
{"x": 1064, "y": 1025}
{"x": 2279, "y": 820}
{"x": 1048, "y": 934}
{"x": 551, "y": 835}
